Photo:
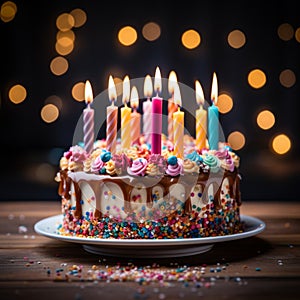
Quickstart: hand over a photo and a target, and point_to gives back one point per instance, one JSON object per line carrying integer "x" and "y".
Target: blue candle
{"x": 213, "y": 117}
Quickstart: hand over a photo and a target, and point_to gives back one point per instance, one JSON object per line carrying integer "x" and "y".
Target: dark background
{"x": 30, "y": 147}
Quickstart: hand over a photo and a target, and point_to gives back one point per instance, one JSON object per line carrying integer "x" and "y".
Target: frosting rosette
{"x": 190, "y": 166}
{"x": 235, "y": 158}
{"x": 228, "y": 163}
{"x": 97, "y": 164}
{"x": 159, "y": 161}
{"x": 121, "y": 162}
{"x": 132, "y": 153}
{"x": 110, "y": 167}
{"x": 175, "y": 169}
{"x": 213, "y": 162}
{"x": 63, "y": 163}
{"x": 194, "y": 156}
{"x": 78, "y": 154}
{"x": 138, "y": 167}
{"x": 152, "y": 170}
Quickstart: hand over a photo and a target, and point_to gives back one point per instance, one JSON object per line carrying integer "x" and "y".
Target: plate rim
{"x": 254, "y": 224}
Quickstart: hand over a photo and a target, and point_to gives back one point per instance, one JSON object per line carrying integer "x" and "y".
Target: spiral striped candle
{"x": 172, "y": 107}
{"x": 213, "y": 117}
{"x": 112, "y": 118}
{"x": 147, "y": 109}
{"x": 178, "y": 123}
{"x": 135, "y": 117}
{"x": 125, "y": 116}
{"x": 201, "y": 118}
{"x": 88, "y": 129}
{"x": 111, "y": 128}
{"x": 88, "y": 119}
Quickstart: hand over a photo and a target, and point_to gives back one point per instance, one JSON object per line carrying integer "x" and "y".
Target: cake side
{"x": 134, "y": 194}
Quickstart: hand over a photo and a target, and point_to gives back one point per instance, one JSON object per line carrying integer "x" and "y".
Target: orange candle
{"x": 178, "y": 124}
{"x": 135, "y": 117}
{"x": 201, "y": 118}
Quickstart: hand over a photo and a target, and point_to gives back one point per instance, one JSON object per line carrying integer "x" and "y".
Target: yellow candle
{"x": 172, "y": 107}
{"x": 201, "y": 118}
{"x": 125, "y": 116}
{"x": 178, "y": 125}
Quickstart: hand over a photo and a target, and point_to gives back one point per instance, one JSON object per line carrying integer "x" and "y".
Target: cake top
{"x": 139, "y": 161}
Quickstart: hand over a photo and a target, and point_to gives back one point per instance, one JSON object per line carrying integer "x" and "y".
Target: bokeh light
{"x": 265, "y": 119}
{"x": 297, "y": 34}
{"x": 225, "y": 103}
{"x": 8, "y": 11}
{"x": 285, "y": 31}
{"x": 59, "y": 65}
{"x": 151, "y": 31}
{"x": 287, "y": 78}
{"x": 64, "y": 49}
{"x": 236, "y": 140}
{"x": 49, "y": 113}
{"x": 65, "y": 22}
{"x": 127, "y": 36}
{"x": 236, "y": 39}
{"x": 54, "y": 99}
{"x": 281, "y": 144}
{"x": 17, "y": 94}
{"x": 257, "y": 78}
{"x": 79, "y": 16}
{"x": 191, "y": 39}
{"x": 78, "y": 91}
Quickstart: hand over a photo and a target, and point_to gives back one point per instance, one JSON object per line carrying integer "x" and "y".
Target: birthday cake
{"x": 136, "y": 193}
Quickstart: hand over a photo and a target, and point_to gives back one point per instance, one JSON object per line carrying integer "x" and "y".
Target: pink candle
{"x": 112, "y": 118}
{"x": 156, "y": 116}
{"x": 147, "y": 109}
{"x": 135, "y": 117}
{"x": 88, "y": 119}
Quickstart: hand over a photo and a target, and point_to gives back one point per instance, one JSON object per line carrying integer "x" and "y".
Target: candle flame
{"x": 148, "y": 86}
{"x": 199, "y": 93}
{"x": 177, "y": 95}
{"x": 157, "y": 80}
{"x": 88, "y": 93}
{"x": 126, "y": 89}
{"x": 112, "y": 93}
{"x": 172, "y": 82}
{"x": 214, "y": 90}
{"x": 134, "y": 98}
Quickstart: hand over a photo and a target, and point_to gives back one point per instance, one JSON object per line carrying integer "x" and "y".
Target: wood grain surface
{"x": 266, "y": 266}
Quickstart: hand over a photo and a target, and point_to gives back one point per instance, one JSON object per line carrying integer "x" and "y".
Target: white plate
{"x": 147, "y": 248}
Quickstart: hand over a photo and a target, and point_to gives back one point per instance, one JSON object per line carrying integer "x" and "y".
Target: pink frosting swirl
{"x": 76, "y": 154}
{"x": 222, "y": 154}
{"x": 138, "y": 167}
{"x": 175, "y": 170}
{"x": 121, "y": 162}
{"x": 97, "y": 164}
{"x": 158, "y": 160}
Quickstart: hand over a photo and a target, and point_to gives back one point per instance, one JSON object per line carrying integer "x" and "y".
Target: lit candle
{"x": 125, "y": 116}
{"x": 112, "y": 118}
{"x": 156, "y": 115}
{"x": 147, "y": 108}
{"x": 88, "y": 119}
{"x": 201, "y": 118}
{"x": 135, "y": 116}
{"x": 178, "y": 124}
{"x": 213, "y": 117}
{"x": 172, "y": 107}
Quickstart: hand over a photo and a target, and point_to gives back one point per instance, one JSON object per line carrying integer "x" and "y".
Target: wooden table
{"x": 265, "y": 266}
